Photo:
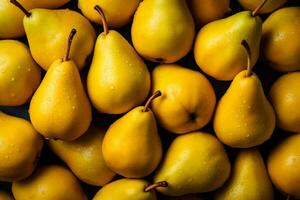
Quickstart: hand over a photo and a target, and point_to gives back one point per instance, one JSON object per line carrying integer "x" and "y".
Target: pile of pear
{"x": 124, "y": 117}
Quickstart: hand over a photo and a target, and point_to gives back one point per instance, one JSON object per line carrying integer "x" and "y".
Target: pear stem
{"x": 155, "y": 185}
{"x": 248, "y": 52}
{"x": 70, "y": 40}
{"x": 17, "y": 4}
{"x": 104, "y": 22}
{"x": 255, "y": 11}
{"x": 155, "y": 95}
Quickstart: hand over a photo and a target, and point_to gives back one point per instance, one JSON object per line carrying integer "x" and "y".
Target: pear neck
{"x": 21, "y": 7}
{"x": 103, "y": 19}
{"x": 154, "y": 96}
{"x": 156, "y": 185}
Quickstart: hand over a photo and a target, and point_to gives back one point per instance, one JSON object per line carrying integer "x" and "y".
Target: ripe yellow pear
{"x": 244, "y": 117}
{"x": 60, "y": 109}
{"x": 188, "y": 99}
{"x": 20, "y": 148}
{"x": 132, "y": 146}
{"x": 284, "y": 166}
{"x": 280, "y": 41}
{"x": 117, "y": 12}
{"x": 128, "y": 189}
{"x": 270, "y": 6}
{"x": 218, "y": 51}
{"x": 285, "y": 98}
{"x": 5, "y": 196}
{"x": 47, "y": 30}
{"x": 51, "y": 182}
{"x": 19, "y": 74}
{"x": 249, "y": 179}
{"x": 118, "y": 79}
{"x": 194, "y": 163}
{"x": 163, "y": 30}
{"x": 205, "y": 11}
{"x": 84, "y": 156}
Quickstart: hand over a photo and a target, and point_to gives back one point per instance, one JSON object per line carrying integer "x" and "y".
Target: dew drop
{"x": 29, "y": 69}
{"x": 73, "y": 107}
{"x": 12, "y": 94}
{"x": 13, "y": 79}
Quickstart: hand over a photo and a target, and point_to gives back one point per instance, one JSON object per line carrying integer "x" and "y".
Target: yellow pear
{"x": 84, "y": 156}
{"x": 249, "y": 179}
{"x": 188, "y": 99}
{"x": 128, "y": 189}
{"x": 60, "y": 109}
{"x": 270, "y": 6}
{"x": 281, "y": 41}
{"x": 284, "y": 166}
{"x": 117, "y": 13}
{"x": 163, "y": 30}
{"x": 134, "y": 139}
{"x": 47, "y": 30}
{"x": 118, "y": 79}
{"x": 51, "y": 182}
{"x": 218, "y": 51}
{"x": 20, "y": 148}
{"x": 194, "y": 163}
{"x": 285, "y": 98}
{"x": 19, "y": 74}
{"x": 5, "y": 196}
{"x": 244, "y": 117}
{"x": 205, "y": 11}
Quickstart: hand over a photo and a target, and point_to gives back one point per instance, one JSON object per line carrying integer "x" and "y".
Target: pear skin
{"x": 135, "y": 139}
{"x": 47, "y": 30}
{"x": 194, "y": 163}
{"x": 285, "y": 98}
{"x": 118, "y": 79}
{"x": 126, "y": 189}
{"x": 284, "y": 166}
{"x": 249, "y": 179}
{"x": 218, "y": 51}
{"x": 60, "y": 109}
{"x": 5, "y": 196}
{"x": 188, "y": 99}
{"x": 49, "y": 183}
{"x": 163, "y": 30}
{"x": 20, "y": 148}
{"x": 19, "y": 74}
{"x": 84, "y": 156}
{"x": 269, "y": 7}
{"x": 280, "y": 41}
{"x": 117, "y": 13}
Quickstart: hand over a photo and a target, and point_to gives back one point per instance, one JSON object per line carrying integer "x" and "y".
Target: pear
{"x": 188, "y": 99}
{"x": 128, "y": 189}
{"x": 194, "y": 163}
{"x": 117, "y": 13}
{"x": 280, "y": 40}
{"x": 284, "y": 166}
{"x": 205, "y": 11}
{"x": 249, "y": 179}
{"x": 60, "y": 109}
{"x": 285, "y": 98}
{"x": 49, "y": 183}
{"x": 5, "y": 196}
{"x": 163, "y": 30}
{"x": 269, "y": 7}
{"x": 19, "y": 74}
{"x": 218, "y": 51}
{"x": 84, "y": 156}
{"x": 46, "y": 31}
{"x": 118, "y": 79}
{"x": 135, "y": 139}
{"x": 244, "y": 117}
{"x": 20, "y": 148}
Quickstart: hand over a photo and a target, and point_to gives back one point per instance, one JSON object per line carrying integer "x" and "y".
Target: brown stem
{"x": 255, "y": 11}
{"x": 155, "y": 95}
{"x": 248, "y": 52}
{"x": 16, "y": 3}
{"x": 70, "y": 40}
{"x": 155, "y": 185}
{"x": 104, "y": 22}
